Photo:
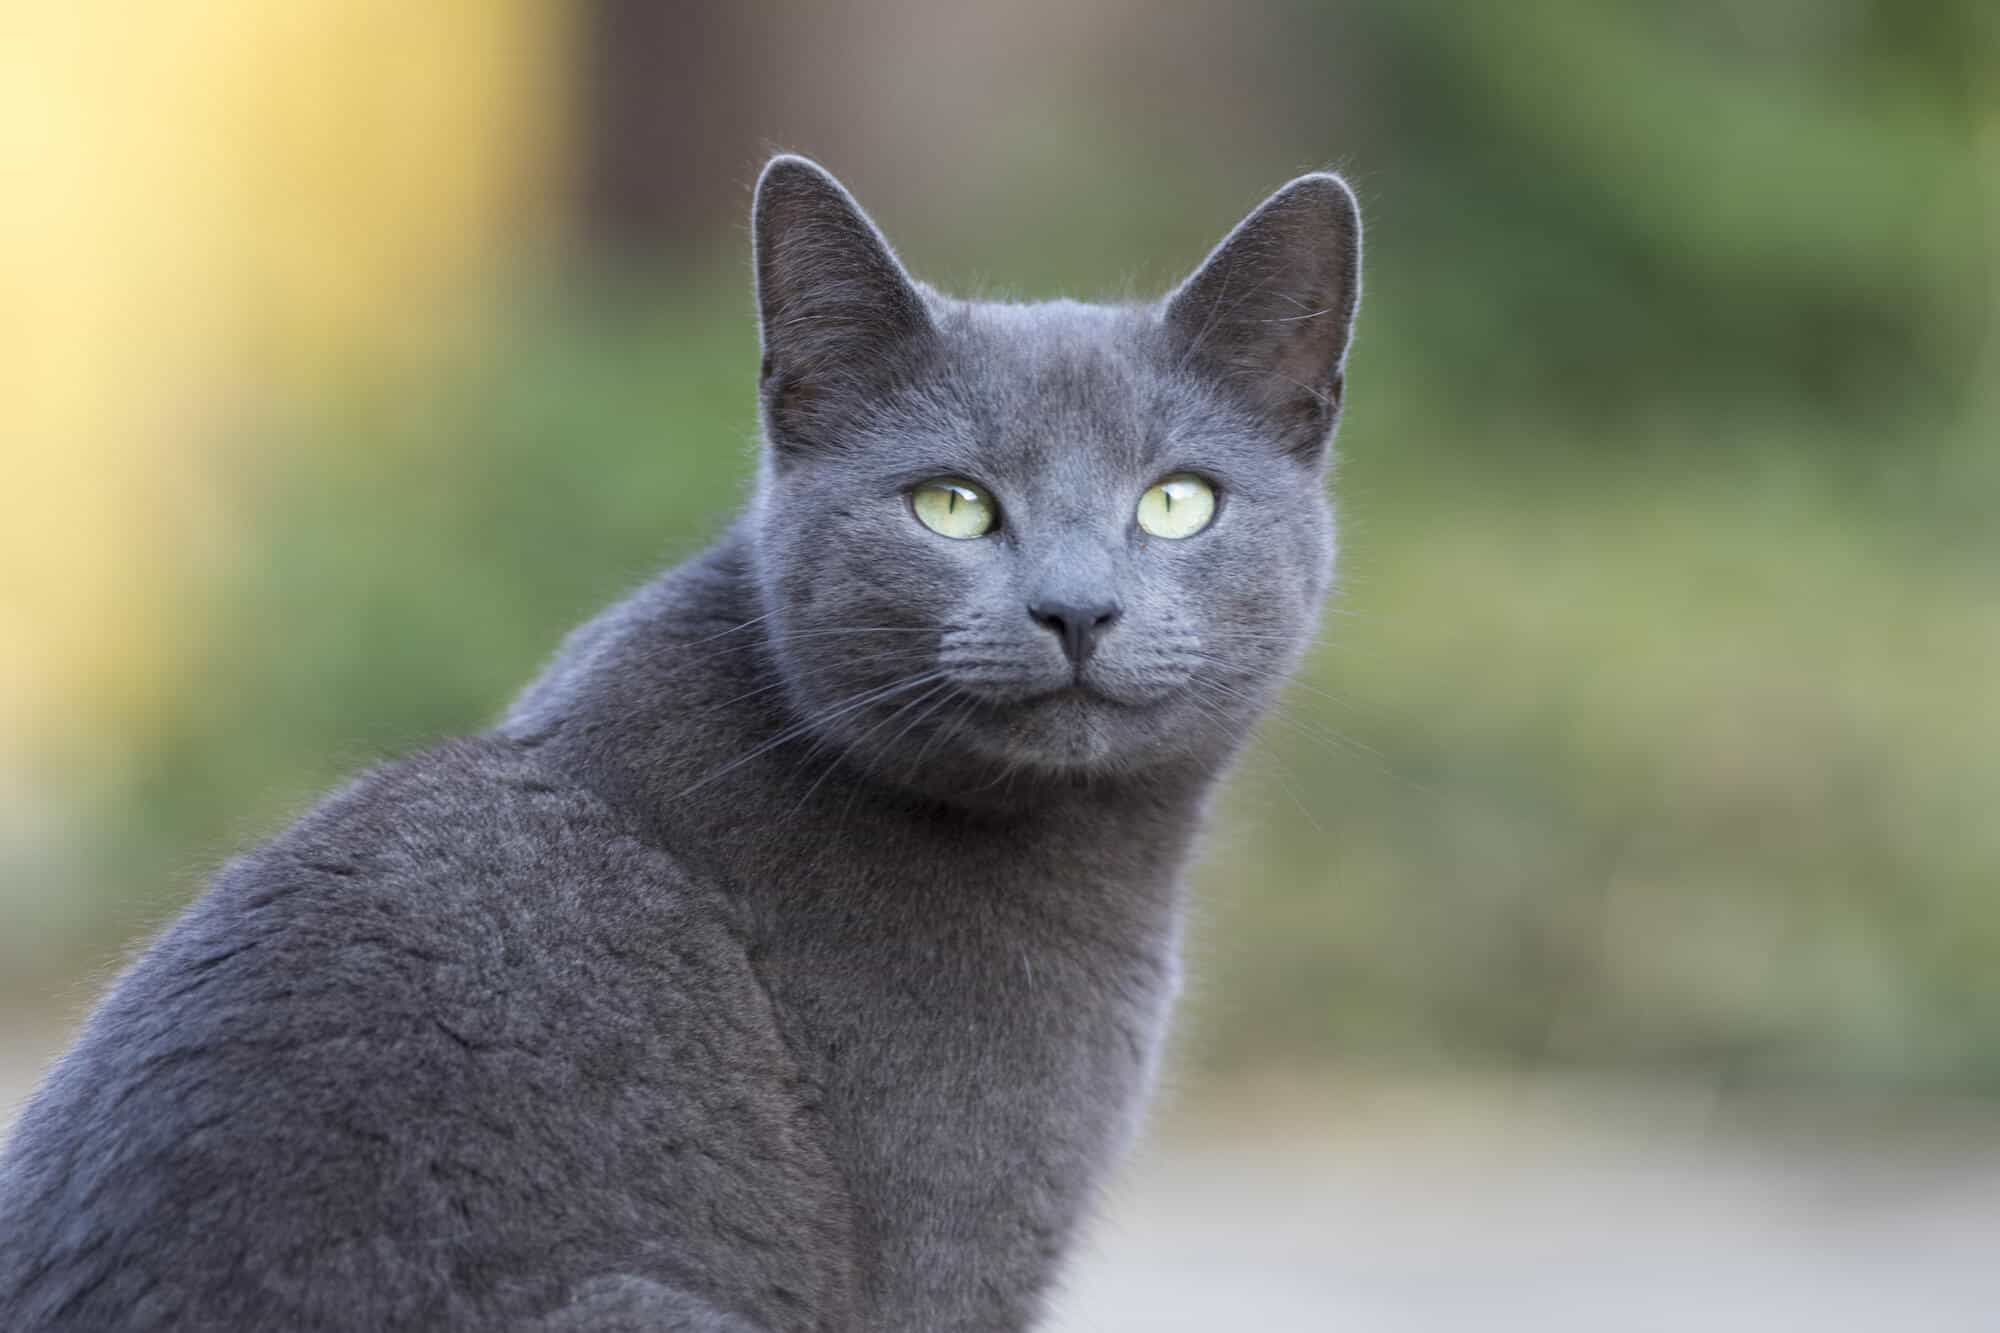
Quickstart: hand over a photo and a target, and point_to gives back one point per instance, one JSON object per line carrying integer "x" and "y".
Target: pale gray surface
{"x": 1436, "y": 1206}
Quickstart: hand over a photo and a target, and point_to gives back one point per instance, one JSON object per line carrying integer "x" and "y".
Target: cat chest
{"x": 978, "y": 1078}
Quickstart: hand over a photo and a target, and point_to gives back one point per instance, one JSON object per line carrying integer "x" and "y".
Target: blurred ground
{"x": 1455, "y": 1205}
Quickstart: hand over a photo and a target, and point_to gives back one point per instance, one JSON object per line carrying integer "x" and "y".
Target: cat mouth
{"x": 1074, "y": 694}
{"x": 1083, "y": 694}
{"x": 1083, "y": 691}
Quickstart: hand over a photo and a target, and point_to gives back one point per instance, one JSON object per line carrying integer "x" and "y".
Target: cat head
{"x": 1056, "y": 538}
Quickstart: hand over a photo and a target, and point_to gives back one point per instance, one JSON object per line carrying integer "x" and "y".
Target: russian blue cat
{"x": 797, "y": 953}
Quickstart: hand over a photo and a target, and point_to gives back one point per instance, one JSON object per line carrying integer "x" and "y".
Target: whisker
{"x": 950, "y": 728}
{"x": 847, "y": 810}
{"x": 866, "y": 732}
{"x": 734, "y": 629}
{"x": 938, "y": 702}
{"x": 867, "y": 629}
{"x": 1293, "y": 319}
{"x": 875, "y": 660}
{"x": 764, "y": 643}
{"x": 803, "y": 726}
{"x": 1284, "y": 773}
{"x": 1319, "y": 736}
{"x": 1336, "y": 699}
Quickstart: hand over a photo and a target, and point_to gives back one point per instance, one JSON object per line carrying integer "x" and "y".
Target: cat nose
{"x": 1077, "y": 626}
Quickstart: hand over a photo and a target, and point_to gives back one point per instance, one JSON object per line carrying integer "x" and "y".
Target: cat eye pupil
{"x": 1177, "y": 507}
{"x": 954, "y": 508}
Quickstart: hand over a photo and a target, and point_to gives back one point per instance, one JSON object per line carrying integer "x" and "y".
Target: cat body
{"x": 798, "y": 952}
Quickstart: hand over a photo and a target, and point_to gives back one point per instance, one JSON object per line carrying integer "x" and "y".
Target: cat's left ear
{"x": 838, "y": 312}
{"x": 1271, "y": 310}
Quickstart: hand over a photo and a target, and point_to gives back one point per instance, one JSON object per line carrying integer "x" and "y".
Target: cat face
{"x": 1056, "y": 538}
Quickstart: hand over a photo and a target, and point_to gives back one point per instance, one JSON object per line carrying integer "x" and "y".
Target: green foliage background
{"x": 1658, "y": 724}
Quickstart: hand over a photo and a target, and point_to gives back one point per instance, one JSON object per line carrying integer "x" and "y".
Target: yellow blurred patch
{"x": 212, "y": 203}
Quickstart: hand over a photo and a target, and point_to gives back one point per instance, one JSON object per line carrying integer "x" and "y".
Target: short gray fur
{"x": 798, "y": 952}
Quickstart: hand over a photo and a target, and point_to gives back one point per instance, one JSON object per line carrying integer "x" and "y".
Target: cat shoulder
{"x": 349, "y": 1011}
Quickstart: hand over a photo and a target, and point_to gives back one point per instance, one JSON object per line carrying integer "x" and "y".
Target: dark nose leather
{"x": 1079, "y": 627}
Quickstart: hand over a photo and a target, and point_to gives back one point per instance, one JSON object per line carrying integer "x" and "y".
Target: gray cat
{"x": 797, "y": 953}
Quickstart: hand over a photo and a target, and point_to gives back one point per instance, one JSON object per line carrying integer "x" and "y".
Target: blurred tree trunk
{"x": 668, "y": 131}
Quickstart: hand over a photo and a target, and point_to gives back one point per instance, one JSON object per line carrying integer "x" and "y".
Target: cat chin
{"x": 1085, "y": 733}
{"x": 1024, "y": 749}
{"x": 1069, "y": 728}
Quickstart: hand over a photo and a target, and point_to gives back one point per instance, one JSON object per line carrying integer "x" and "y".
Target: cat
{"x": 797, "y": 952}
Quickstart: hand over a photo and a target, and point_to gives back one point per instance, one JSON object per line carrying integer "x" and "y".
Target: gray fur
{"x": 797, "y": 953}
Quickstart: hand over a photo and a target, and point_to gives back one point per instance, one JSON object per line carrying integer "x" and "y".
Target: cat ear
{"x": 837, "y": 309}
{"x": 1270, "y": 310}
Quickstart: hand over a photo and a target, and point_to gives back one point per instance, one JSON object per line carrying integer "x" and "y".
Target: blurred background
{"x": 1630, "y": 849}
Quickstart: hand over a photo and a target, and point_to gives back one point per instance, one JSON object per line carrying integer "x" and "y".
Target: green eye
{"x": 1177, "y": 507}
{"x": 952, "y": 507}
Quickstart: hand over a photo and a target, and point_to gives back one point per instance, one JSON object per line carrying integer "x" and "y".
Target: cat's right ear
{"x": 836, "y": 309}
{"x": 1270, "y": 312}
